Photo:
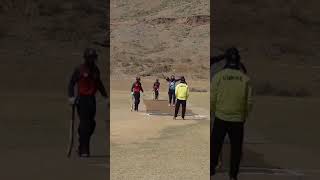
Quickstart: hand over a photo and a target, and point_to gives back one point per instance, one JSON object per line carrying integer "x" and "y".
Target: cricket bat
{"x": 71, "y": 131}
{"x": 132, "y": 101}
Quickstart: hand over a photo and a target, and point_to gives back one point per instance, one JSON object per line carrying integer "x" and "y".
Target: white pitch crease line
{"x": 99, "y": 165}
{"x": 272, "y": 171}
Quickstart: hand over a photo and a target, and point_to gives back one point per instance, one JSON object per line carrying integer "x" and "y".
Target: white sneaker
{"x": 169, "y": 104}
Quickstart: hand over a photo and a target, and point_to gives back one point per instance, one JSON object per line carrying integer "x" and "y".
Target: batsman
{"x": 86, "y": 82}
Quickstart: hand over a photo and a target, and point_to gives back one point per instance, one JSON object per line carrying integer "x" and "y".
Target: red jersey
{"x": 88, "y": 81}
{"x": 137, "y": 87}
{"x": 156, "y": 86}
{"x": 87, "y": 84}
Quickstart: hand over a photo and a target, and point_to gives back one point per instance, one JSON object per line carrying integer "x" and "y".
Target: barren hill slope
{"x": 41, "y": 41}
{"x": 279, "y": 42}
{"x": 154, "y": 37}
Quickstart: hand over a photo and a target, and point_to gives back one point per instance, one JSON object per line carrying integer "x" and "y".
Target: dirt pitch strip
{"x": 160, "y": 107}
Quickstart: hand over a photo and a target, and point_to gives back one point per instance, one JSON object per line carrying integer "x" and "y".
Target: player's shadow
{"x": 100, "y": 156}
{"x": 249, "y": 159}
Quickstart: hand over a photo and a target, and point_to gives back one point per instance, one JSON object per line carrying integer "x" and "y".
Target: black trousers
{"x": 235, "y": 131}
{"x": 172, "y": 96}
{"x": 86, "y": 107}
{"x": 156, "y": 94}
{"x": 184, "y": 105}
{"x": 136, "y": 96}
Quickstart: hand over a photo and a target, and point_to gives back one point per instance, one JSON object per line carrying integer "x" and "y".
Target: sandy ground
{"x": 157, "y": 147}
{"x": 279, "y": 141}
{"x": 34, "y": 138}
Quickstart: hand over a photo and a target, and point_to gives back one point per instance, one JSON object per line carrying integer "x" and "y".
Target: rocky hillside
{"x": 41, "y": 41}
{"x": 155, "y": 37}
{"x": 279, "y": 42}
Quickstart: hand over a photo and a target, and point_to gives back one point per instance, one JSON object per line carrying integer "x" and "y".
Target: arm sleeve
{"x": 141, "y": 87}
{"x": 132, "y": 87}
{"x": 216, "y": 59}
{"x": 73, "y": 81}
{"x": 249, "y": 98}
{"x": 214, "y": 92}
{"x": 187, "y": 92}
{"x": 243, "y": 68}
{"x": 100, "y": 86}
{"x": 102, "y": 89}
{"x": 176, "y": 90}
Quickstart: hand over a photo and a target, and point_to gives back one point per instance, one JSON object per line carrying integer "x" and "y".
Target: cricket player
{"x": 136, "y": 88}
{"x": 87, "y": 79}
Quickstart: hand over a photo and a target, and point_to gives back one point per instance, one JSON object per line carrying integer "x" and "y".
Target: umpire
{"x": 231, "y": 102}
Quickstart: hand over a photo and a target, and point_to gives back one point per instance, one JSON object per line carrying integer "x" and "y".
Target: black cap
{"x": 232, "y": 55}
{"x": 90, "y": 53}
{"x": 182, "y": 79}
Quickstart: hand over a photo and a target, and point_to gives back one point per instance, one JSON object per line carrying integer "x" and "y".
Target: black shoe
{"x": 233, "y": 178}
{"x": 84, "y": 155}
{"x": 212, "y": 172}
{"x": 83, "y": 152}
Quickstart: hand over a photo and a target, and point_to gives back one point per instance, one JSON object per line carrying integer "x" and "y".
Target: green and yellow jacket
{"x": 231, "y": 95}
{"x": 182, "y": 91}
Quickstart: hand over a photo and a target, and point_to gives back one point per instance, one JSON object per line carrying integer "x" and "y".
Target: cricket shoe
{"x": 84, "y": 155}
{"x": 213, "y": 172}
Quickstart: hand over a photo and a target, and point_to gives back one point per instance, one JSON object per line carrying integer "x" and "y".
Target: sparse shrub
{"x": 284, "y": 93}
{"x": 264, "y": 89}
{"x": 125, "y": 64}
{"x": 135, "y": 64}
{"x": 302, "y": 93}
{"x": 86, "y": 6}
{"x": 198, "y": 90}
{"x": 1, "y": 9}
{"x": 267, "y": 89}
{"x": 201, "y": 76}
{"x": 51, "y": 9}
{"x": 162, "y": 69}
{"x": 186, "y": 60}
{"x": 3, "y": 32}
{"x": 145, "y": 74}
{"x": 158, "y": 69}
